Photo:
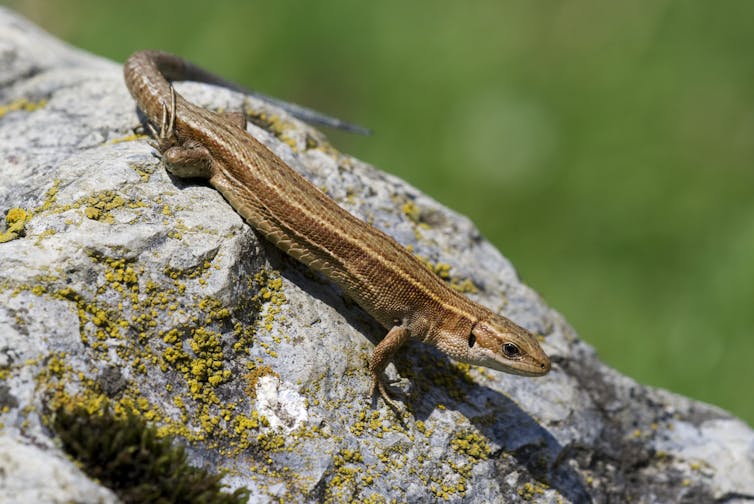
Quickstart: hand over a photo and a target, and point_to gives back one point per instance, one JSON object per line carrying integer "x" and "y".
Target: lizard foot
{"x": 379, "y": 386}
{"x": 189, "y": 158}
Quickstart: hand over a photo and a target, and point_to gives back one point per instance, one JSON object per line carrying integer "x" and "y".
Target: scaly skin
{"x": 379, "y": 274}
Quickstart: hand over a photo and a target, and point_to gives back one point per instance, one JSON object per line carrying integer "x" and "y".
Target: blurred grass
{"x": 605, "y": 148}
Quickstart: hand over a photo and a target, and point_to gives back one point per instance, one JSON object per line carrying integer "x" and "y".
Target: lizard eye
{"x": 472, "y": 340}
{"x": 511, "y": 351}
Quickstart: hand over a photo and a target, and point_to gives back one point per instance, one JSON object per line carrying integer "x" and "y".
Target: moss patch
{"x": 127, "y": 456}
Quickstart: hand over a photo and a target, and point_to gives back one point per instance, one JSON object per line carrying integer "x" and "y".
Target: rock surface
{"x": 122, "y": 286}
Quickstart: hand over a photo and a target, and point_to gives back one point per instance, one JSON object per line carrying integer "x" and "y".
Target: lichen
{"x": 99, "y": 205}
{"x": 51, "y": 196}
{"x": 151, "y": 322}
{"x": 253, "y": 376}
{"x": 96, "y": 206}
{"x": 411, "y": 210}
{"x": 274, "y": 125}
{"x": 129, "y": 138}
{"x": 22, "y": 104}
{"x": 350, "y": 477}
{"x": 122, "y": 316}
{"x": 443, "y": 270}
{"x": 472, "y": 444}
{"x": 15, "y": 221}
{"x": 529, "y": 490}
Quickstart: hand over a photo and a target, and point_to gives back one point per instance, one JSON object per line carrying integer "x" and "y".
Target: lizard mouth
{"x": 527, "y": 367}
{"x": 536, "y": 369}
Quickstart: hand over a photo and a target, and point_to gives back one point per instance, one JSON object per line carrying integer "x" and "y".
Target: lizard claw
{"x": 171, "y": 126}
{"x": 152, "y": 131}
{"x": 379, "y": 386}
{"x": 153, "y": 135}
{"x": 165, "y": 137}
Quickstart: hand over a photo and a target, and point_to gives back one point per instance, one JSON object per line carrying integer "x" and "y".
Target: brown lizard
{"x": 384, "y": 278}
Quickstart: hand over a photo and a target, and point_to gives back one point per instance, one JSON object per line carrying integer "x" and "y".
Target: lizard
{"x": 379, "y": 274}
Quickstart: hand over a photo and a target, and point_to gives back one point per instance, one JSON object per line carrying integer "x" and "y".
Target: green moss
{"x": 127, "y": 456}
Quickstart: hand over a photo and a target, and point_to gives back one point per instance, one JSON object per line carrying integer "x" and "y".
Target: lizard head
{"x": 497, "y": 343}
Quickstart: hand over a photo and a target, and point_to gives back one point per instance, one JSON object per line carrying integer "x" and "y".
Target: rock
{"x": 40, "y": 474}
{"x": 123, "y": 289}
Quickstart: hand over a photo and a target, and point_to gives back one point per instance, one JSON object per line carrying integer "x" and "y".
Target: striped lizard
{"x": 385, "y": 279}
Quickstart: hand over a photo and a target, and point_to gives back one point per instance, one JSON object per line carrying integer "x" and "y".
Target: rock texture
{"x": 120, "y": 286}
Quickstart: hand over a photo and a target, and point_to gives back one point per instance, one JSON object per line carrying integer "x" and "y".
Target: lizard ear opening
{"x": 472, "y": 340}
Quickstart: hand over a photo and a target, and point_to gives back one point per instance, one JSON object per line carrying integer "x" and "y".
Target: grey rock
{"x": 33, "y": 473}
{"x": 121, "y": 285}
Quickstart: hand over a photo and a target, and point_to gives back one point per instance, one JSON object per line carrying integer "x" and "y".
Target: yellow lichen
{"x": 253, "y": 376}
{"x": 144, "y": 175}
{"x": 15, "y": 221}
{"x": 472, "y": 444}
{"x": 98, "y": 205}
{"x": 273, "y": 124}
{"x": 22, "y": 104}
{"x": 529, "y": 490}
{"x": 92, "y": 213}
{"x": 270, "y": 441}
{"x": 411, "y": 210}
{"x": 197, "y": 353}
{"x": 50, "y": 196}
{"x": 463, "y": 285}
{"x": 129, "y": 138}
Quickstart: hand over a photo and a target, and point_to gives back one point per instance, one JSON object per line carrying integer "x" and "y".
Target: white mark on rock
{"x": 280, "y": 403}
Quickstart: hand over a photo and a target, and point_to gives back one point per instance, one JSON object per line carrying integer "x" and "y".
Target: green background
{"x": 605, "y": 147}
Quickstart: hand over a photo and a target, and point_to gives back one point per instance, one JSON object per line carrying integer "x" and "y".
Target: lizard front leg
{"x": 383, "y": 353}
